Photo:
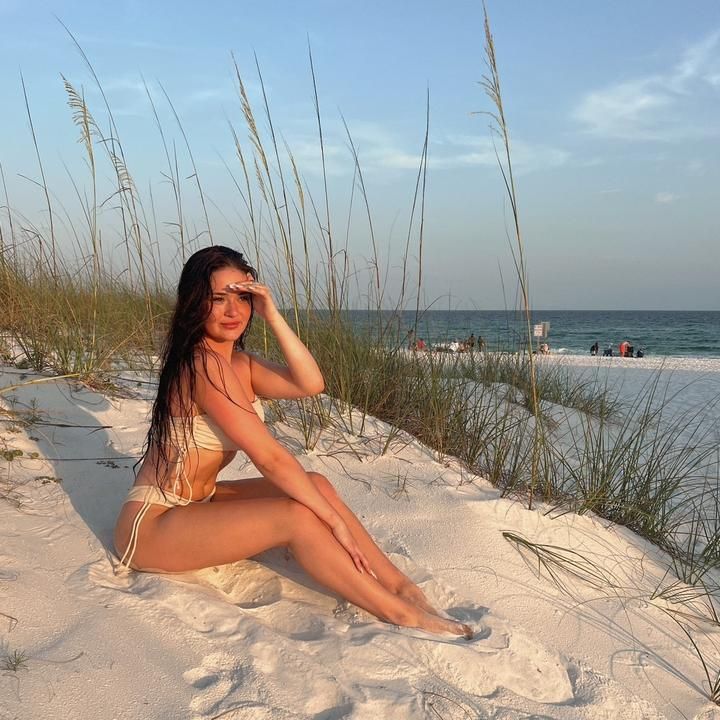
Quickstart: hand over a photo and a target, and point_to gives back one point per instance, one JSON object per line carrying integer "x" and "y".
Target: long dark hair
{"x": 184, "y": 342}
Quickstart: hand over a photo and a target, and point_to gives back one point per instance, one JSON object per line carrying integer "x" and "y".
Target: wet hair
{"x": 184, "y": 346}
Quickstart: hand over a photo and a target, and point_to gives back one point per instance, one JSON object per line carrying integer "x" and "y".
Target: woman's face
{"x": 230, "y": 310}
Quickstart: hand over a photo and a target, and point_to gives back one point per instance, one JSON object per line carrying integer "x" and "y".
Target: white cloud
{"x": 381, "y": 150}
{"x": 665, "y": 198}
{"x": 626, "y": 110}
{"x": 400, "y": 160}
{"x": 224, "y": 93}
{"x": 125, "y": 84}
{"x": 699, "y": 60}
{"x": 128, "y": 95}
{"x": 525, "y": 157}
{"x": 306, "y": 151}
{"x": 659, "y": 107}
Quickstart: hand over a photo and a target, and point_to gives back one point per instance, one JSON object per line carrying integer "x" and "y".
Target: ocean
{"x": 572, "y": 332}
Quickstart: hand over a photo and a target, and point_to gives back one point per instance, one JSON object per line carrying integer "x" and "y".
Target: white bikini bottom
{"x": 153, "y": 495}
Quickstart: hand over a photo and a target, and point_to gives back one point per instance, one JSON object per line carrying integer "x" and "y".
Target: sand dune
{"x": 257, "y": 639}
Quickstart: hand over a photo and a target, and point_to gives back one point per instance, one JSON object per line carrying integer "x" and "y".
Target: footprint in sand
{"x": 220, "y": 688}
{"x": 529, "y": 669}
{"x": 217, "y": 677}
{"x": 500, "y": 657}
{"x": 229, "y": 687}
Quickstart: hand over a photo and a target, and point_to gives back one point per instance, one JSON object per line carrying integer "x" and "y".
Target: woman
{"x": 177, "y": 517}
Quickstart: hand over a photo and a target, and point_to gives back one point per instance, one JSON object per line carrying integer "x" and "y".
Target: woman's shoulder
{"x": 241, "y": 360}
{"x": 208, "y": 365}
{"x": 214, "y": 373}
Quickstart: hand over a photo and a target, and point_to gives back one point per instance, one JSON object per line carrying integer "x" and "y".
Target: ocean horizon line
{"x": 532, "y": 310}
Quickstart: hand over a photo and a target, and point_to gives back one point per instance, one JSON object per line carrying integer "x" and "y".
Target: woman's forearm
{"x": 300, "y": 363}
{"x": 284, "y": 471}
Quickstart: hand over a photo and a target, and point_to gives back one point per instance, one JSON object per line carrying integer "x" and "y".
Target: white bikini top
{"x": 206, "y": 433}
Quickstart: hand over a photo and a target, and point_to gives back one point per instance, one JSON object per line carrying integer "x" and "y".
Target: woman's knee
{"x": 323, "y": 485}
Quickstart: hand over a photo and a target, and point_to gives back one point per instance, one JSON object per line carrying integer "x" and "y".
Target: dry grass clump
{"x": 62, "y": 324}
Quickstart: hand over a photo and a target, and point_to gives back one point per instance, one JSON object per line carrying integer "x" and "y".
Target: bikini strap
{"x": 180, "y": 475}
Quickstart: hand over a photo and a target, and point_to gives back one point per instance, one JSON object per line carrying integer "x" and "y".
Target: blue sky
{"x": 613, "y": 112}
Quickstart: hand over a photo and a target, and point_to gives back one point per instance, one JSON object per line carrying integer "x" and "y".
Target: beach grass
{"x": 15, "y": 660}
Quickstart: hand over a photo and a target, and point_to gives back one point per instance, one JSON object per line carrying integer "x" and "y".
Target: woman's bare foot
{"x": 436, "y": 621}
{"x": 436, "y": 624}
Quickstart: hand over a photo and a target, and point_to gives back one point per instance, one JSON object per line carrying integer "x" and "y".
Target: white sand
{"x": 259, "y": 640}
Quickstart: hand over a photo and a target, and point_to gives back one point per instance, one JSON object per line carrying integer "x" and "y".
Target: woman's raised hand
{"x": 343, "y": 535}
{"x": 263, "y": 303}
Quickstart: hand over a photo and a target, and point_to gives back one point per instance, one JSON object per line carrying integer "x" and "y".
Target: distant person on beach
{"x": 594, "y": 349}
{"x": 640, "y": 353}
{"x": 470, "y": 342}
{"x": 420, "y": 344}
{"x": 481, "y": 343}
{"x": 608, "y": 352}
{"x": 410, "y": 339}
{"x": 178, "y": 518}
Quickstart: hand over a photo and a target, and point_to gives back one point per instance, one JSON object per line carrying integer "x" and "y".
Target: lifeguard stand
{"x": 540, "y": 332}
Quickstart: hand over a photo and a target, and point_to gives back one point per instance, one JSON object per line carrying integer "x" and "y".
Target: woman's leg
{"x": 215, "y": 533}
{"x": 389, "y": 576}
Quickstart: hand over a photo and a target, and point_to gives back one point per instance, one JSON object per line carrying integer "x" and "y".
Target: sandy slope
{"x": 257, "y": 639}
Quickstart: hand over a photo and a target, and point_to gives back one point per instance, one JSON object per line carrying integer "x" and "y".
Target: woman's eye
{"x": 245, "y": 296}
{"x": 219, "y": 299}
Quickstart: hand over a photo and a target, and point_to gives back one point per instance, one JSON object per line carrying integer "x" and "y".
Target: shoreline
{"x": 651, "y": 362}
